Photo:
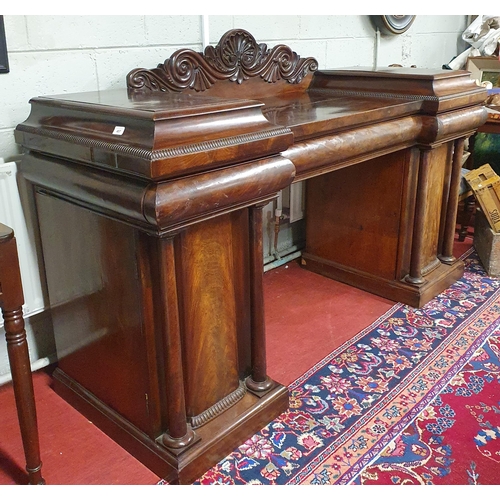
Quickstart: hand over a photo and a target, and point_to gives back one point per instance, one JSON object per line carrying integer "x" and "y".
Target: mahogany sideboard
{"x": 150, "y": 202}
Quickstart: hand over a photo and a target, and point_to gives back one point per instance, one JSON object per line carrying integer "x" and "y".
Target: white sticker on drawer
{"x": 118, "y": 130}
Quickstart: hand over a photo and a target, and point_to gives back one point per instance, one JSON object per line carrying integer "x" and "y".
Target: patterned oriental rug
{"x": 456, "y": 439}
{"x": 412, "y": 399}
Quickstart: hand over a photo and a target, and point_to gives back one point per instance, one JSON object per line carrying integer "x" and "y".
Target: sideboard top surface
{"x": 236, "y": 102}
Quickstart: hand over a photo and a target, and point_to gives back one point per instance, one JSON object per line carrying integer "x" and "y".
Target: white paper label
{"x": 118, "y": 130}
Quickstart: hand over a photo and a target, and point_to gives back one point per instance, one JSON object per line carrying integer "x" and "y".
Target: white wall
{"x": 62, "y": 54}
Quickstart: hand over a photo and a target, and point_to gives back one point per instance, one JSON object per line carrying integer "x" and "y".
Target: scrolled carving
{"x": 237, "y": 57}
{"x": 186, "y": 70}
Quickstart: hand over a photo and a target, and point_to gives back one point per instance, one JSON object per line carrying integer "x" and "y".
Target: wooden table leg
{"x": 11, "y": 302}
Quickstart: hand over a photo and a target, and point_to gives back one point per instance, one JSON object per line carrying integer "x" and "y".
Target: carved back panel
{"x": 236, "y": 61}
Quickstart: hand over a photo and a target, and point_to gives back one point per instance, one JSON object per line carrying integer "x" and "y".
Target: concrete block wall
{"x": 50, "y": 55}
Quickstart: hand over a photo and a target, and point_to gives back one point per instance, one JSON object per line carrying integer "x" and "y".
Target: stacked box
{"x": 485, "y": 184}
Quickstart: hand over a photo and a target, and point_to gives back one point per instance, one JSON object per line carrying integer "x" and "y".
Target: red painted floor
{"x": 307, "y": 316}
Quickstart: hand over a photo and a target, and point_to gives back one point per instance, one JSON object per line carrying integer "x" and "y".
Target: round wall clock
{"x": 393, "y": 25}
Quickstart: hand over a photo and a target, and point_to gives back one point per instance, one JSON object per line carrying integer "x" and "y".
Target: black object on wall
{"x": 4, "y": 60}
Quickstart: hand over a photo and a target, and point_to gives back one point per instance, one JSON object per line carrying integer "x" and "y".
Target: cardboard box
{"x": 487, "y": 245}
{"x": 485, "y": 184}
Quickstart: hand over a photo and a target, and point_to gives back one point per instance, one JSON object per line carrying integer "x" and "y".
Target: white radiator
{"x": 17, "y": 211}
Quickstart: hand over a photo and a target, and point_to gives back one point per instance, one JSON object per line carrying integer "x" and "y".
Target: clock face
{"x": 393, "y": 25}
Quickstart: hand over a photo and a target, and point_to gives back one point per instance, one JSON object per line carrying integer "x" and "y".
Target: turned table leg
{"x": 258, "y": 381}
{"x": 416, "y": 264}
{"x": 11, "y": 302}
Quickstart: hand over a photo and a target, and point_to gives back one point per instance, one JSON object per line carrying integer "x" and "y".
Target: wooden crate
{"x": 487, "y": 245}
{"x": 485, "y": 184}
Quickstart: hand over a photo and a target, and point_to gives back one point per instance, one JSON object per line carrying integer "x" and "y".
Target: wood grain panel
{"x": 439, "y": 170}
{"x": 209, "y": 313}
{"x": 94, "y": 291}
{"x": 353, "y": 215}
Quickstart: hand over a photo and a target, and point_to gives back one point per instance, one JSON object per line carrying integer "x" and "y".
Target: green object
{"x": 487, "y": 150}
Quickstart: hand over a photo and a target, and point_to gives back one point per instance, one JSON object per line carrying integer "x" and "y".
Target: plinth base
{"x": 213, "y": 441}
{"x": 415, "y": 295}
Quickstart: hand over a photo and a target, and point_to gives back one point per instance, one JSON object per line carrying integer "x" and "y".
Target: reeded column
{"x": 258, "y": 380}
{"x": 179, "y": 434}
{"x": 415, "y": 275}
{"x": 11, "y": 301}
{"x": 452, "y": 207}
